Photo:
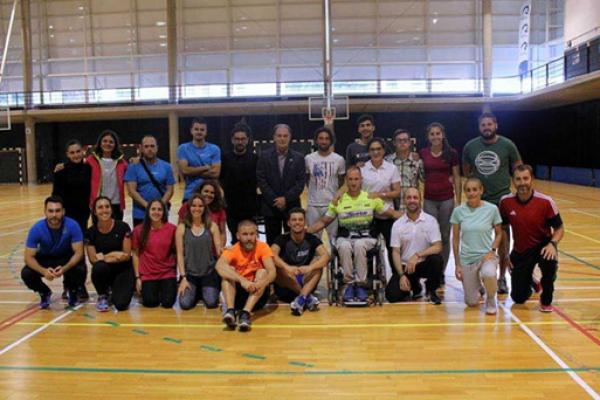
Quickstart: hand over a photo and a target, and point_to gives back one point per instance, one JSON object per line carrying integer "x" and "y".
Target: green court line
{"x": 301, "y": 364}
{"x": 172, "y": 340}
{"x": 580, "y": 260}
{"x": 92, "y": 370}
{"x": 89, "y": 316}
{"x": 113, "y": 324}
{"x": 210, "y": 348}
{"x": 254, "y": 356}
{"x": 140, "y": 332}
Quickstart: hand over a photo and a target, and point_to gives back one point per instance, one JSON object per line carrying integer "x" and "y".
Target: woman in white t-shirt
{"x": 477, "y": 262}
{"x": 381, "y": 179}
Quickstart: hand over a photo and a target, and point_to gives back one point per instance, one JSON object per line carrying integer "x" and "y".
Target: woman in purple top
{"x": 442, "y": 181}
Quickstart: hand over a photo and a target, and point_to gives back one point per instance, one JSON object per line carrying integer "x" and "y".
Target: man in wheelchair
{"x": 355, "y": 213}
{"x": 416, "y": 246}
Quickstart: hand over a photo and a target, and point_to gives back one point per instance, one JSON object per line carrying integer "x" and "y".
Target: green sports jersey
{"x": 355, "y": 215}
{"x": 492, "y": 164}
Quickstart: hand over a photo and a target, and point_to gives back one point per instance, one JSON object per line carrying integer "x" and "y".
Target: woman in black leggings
{"x": 108, "y": 246}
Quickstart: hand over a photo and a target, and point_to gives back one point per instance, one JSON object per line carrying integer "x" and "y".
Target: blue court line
{"x": 12, "y": 368}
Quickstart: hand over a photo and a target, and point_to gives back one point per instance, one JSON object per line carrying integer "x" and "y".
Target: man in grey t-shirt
{"x": 492, "y": 158}
{"x": 325, "y": 172}
{"x": 357, "y": 152}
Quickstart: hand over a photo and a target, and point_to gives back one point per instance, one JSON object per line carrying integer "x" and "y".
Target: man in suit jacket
{"x": 280, "y": 174}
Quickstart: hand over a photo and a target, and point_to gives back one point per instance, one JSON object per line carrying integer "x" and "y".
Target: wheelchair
{"x": 376, "y": 277}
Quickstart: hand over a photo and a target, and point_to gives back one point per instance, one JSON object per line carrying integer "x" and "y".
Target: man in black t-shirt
{"x": 299, "y": 259}
{"x": 238, "y": 179}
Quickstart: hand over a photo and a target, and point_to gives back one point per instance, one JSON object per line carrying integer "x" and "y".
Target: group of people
{"x": 381, "y": 197}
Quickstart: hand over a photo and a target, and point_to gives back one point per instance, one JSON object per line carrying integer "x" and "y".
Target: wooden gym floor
{"x": 413, "y": 350}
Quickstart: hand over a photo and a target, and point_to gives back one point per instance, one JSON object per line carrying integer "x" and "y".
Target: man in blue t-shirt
{"x": 141, "y": 187}
{"x": 198, "y": 159}
{"x": 54, "y": 248}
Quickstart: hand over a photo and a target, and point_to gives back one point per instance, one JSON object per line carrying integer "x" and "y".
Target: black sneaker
{"x": 72, "y": 298}
{"x": 82, "y": 294}
{"x": 244, "y": 322}
{"x": 229, "y": 318}
{"x": 434, "y": 298}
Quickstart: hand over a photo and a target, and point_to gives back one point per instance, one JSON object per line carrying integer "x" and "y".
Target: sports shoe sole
{"x": 229, "y": 320}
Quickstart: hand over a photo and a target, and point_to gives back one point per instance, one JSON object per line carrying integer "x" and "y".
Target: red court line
{"x": 575, "y": 325}
{"x": 10, "y": 321}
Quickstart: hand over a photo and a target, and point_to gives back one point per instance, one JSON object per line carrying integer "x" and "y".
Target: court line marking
{"x": 38, "y": 330}
{"x": 584, "y": 213}
{"x": 312, "y": 326}
{"x": 100, "y": 370}
{"x": 588, "y": 264}
{"x": 552, "y": 354}
{"x": 582, "y": 236}
{"x": 577, "y": 326}
{"x": 10, "y": 321}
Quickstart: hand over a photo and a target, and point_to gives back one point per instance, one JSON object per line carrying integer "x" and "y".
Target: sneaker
{"x": 536, "y": 285}
{"x": 361, "y": 294}
{"x": 102, "y": 304}
{"x": 546, "y": 308}
{"x": 418, "y": 293}
{"x": 502, "y": 287}
{"x": 82, "y": 294}
{"x": 72, "y": 298}
{"x": 491, "y": 310}
{"x": 434, "y": 298}
{"x": 45, "y": 300}
{"x": 312, "y": 303}
{"x": 349, "y": 293}
{"x": 481, "y": 290}
{"x": 244, "y": 322}
{"x": 297, "y": 306}
{"x": 229, "y": 318}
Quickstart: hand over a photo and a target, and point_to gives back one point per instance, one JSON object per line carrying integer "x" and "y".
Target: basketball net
{"x": 328, "y": 115}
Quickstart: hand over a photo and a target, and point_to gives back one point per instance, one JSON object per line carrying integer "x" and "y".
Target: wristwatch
{"x": 181, "y": 278}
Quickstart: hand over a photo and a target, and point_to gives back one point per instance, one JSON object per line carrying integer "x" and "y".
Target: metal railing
{"x": 574, "y": 62}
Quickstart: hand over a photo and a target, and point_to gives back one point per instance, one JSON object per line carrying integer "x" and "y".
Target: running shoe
{"x": 349, "y": 293}
{"x": 297, "y": 306}
{"x": 45, "y": 300}
{"x": 102, "y": 304}
{"x": 502, "y": 286}
{"x": 229, "y": 318}
{"x": 361, "y": 294}
{"x": 244, "y": 322}
{"x": 312, "y": 303}
{"x": 546, "y": 308}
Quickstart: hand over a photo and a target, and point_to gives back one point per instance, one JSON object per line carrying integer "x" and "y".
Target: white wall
{"x": 581, "y": 16}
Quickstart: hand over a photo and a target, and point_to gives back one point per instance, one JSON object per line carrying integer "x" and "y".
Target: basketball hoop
{"x": 328, "y": 115}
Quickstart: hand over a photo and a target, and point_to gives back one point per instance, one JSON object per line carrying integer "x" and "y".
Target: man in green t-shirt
{"x": 492, "y": 158}
{"x": 355, "y": 212}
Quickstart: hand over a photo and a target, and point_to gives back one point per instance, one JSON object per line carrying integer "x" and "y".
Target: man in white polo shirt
{"x": 416, "y": 246}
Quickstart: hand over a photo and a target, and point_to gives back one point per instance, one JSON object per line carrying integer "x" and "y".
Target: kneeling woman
{"x": 198, "y": 241}
{"x": 472, "y": 226}
{"x": 154, "y": 258}
{"x": 108, "y": 246}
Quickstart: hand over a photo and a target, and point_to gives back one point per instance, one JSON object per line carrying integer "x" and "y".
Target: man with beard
{"x": 325, "y": 172}
{"x": 238, "y": 179}
{"x": 416, "y": 246}
{"x": 54, "y": 248}
{"x": 537, "y": 228}
{"x": 198, "y": 160}
{"x": 357, "y": 152}
{"x": 246, "y": 270}
{"x": 150, "y": 178}
{"x": 491, "y": 158}
{"x": 299, "y": 259}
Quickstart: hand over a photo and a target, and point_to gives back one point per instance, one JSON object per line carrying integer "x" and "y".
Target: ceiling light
{"x": 160, "y": 23}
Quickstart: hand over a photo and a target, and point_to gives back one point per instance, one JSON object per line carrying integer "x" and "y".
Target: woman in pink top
{"x": 155, "y": 257}
{"x": 442, "y": 182}
{"x": 211, "y": 192}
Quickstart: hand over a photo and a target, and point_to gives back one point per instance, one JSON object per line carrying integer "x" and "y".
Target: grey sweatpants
{"x": 441, "y": 211}
{"x": 474, "y": 275}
